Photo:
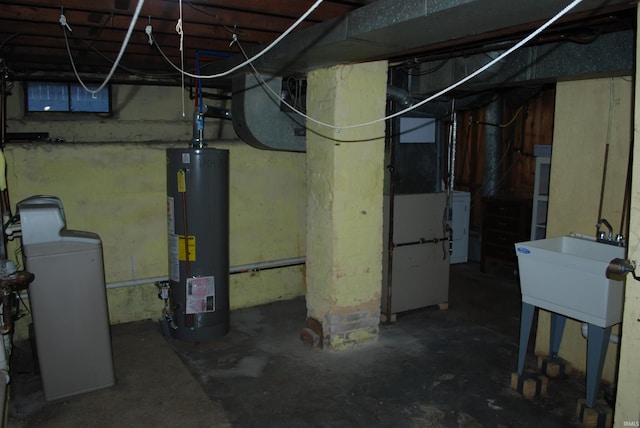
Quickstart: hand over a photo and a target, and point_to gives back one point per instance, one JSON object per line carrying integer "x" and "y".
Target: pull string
{"x": 148, "y": 30}
{"x": 65, "y": 26}
{"x": 248, "y": 61}
{"x": 180, "y": 31}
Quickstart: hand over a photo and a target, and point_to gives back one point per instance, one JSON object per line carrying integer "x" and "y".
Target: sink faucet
{"x": 601, "y": 236}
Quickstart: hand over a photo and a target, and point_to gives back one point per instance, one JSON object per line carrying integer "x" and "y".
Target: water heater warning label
{"x": 201, "y": 295}
{"x": 189, "y": 249}
{"x": 178, "y": 253}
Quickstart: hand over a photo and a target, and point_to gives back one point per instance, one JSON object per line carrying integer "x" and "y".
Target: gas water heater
{"x": 198, "y": 226}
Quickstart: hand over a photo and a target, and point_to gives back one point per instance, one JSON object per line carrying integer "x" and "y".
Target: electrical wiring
{"x": 249, "y": 61}
{"x": 7, "y": 40}
{"x": 479, "y": 193}
{"x": 466, "y": 145}
{"x": 253, "y": 58}
{"x": 276, "y": 96}
{"x": 407, "y": 68}
{"x": 505, "y": 175}
{"x": 499, "y": 58}
{"x": 499, "y": 164}
{"x": 438, "y": 94}
{"x": 65, "y": 26}
{"x": 204, "y": 12}
{"x": 122, "y": 67}
{"x": 503, "y": 125}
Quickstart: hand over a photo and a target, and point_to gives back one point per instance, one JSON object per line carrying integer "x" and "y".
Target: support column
{"x": 345, "y": 173}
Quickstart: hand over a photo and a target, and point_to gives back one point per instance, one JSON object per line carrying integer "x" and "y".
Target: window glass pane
{"x": 66, "y": 97}
{"x": 47, "y": 97}
{"x": 82, "y": 100}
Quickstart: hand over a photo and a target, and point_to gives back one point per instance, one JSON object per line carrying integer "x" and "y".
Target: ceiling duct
{"x": 258, "y": 119}
{"x": 608, "y": 55}
{"x": 391, "y": 29}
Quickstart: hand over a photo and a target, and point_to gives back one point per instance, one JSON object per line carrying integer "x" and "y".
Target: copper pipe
{"x": 627, "y": 191}
{"x": 186, "y": 231}
{"x": 7, "y": 313}
{"x": 3, "y": 94}
{"x": 189, "y": 320}
{"x": 5, "y": 206}
{"x": 604, "y": 179}
{"x": 390, "y": 246}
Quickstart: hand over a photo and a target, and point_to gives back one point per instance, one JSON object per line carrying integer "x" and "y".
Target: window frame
{"x": 70, "y": 108}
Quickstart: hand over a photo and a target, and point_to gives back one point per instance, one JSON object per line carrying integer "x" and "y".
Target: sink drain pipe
{"x": 614, "y": 338}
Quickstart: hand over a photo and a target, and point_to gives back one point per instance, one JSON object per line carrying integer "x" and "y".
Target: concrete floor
{"x": 430, "y": 368}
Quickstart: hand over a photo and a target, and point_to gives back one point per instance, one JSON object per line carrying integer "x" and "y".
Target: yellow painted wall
{"x": 345, "y": 189}
{"x": 628, "y": 398}
{"x": 588, "y": 115}
{"x": 117, "y": 188}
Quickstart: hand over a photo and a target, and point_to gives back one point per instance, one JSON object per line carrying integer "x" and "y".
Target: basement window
{"x": 66, "y": 97}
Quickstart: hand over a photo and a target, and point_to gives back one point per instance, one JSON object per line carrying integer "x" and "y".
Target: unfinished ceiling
{"x": 33, "y": 40}
{"x": 33, "y": 46}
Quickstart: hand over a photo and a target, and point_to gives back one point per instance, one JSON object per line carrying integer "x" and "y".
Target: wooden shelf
{"x": 540, "y": 198}
{"x": 505, "y": 221}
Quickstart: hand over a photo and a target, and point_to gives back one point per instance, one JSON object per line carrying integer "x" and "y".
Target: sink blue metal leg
{"x": 526, "y": 319}
{"x": 557, "y": 328}
{"x": 597, "y": 344}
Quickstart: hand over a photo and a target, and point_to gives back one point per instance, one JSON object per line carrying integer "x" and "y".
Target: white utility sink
{"x": 567, "y": 275}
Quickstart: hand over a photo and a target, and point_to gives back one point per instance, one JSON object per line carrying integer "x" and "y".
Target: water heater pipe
{"x": 133, "y": 282}
{"x": 199, "y": 114}
{"x": 232, "y": 270}
{"x": 267, "y": 265}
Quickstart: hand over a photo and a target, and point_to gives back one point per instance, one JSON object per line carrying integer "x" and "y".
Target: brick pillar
{"x": 345, "y": 173}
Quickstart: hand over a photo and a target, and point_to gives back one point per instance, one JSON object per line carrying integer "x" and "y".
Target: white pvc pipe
{"x": 268, "y": 265}
{"x": 233, "y": 269}
{"x": 614, "y": 338}
{"x": 133, "y": 282}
